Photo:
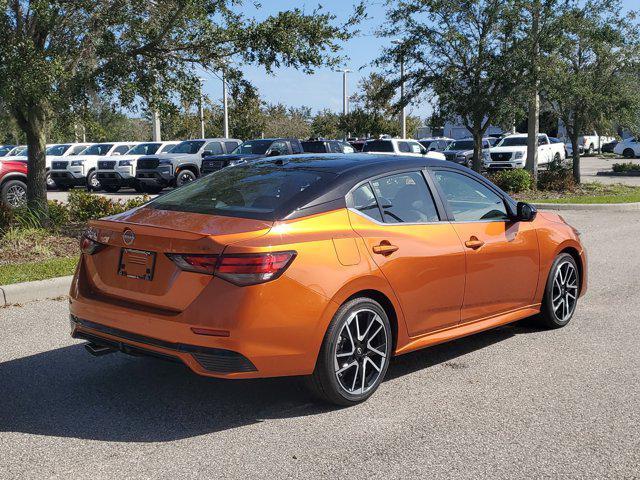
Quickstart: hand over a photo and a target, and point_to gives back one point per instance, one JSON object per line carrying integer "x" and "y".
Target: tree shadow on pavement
{"x": 67, "y": 393}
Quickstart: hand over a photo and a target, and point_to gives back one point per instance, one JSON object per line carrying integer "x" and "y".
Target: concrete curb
{"x": 617, "y": 207}
{"x": 33, "y": 291}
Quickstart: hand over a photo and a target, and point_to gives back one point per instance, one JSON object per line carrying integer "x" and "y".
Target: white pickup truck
{"x": 511, "y": 152}
{"x": 589, "y": 144}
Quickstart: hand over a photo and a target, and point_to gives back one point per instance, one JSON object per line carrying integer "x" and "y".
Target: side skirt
{"x": 465, "y": 329}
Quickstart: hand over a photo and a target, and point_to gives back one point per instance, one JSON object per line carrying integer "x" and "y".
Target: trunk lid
{"x": 159, "y": 232}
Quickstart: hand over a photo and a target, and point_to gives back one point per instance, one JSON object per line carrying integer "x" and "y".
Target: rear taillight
{"x": 195, "y": 263}
{"x": 239, "y": 269}
{"x": 88, "y": 245}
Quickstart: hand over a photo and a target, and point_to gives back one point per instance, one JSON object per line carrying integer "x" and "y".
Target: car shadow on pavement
{"x": 67, "y": 393}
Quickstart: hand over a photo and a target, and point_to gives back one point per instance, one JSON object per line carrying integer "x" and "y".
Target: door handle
{"x": 384, "y": 248}
{"x": 474, "y": 243}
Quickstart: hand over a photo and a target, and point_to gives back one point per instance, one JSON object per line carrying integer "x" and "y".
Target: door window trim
{"x": 442, "y": 214}
{"x": 508, "y": 203}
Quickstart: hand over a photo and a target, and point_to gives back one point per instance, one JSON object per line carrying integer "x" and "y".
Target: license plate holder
{"x": 138, "y": 264}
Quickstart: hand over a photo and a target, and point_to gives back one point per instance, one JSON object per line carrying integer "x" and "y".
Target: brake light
{"x": 239, "y": 269}
{"x": 89, "y": 245}
{"x": 196, "y": 263}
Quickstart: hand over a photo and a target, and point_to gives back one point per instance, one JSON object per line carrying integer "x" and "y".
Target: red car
{"x": 13, "y": 183}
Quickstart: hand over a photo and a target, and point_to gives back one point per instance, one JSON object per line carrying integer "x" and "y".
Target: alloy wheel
{"x": 16, "y": 196}
{"x": 564, "y": 293}
{"x": 360, "y": 353}
{"x": 185, "y": 177}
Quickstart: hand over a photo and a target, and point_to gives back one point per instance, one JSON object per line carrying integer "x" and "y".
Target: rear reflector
{"x": 239, "y": 269}
{"x": 210, "y": 331}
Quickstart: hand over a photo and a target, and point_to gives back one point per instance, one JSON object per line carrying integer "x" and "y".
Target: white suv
{"x": 114, "y": 174}
{"x": 399, "y": 146}
{"x": 81, "y": 170}
{"x": 628, "y": 148}
{"x": 60, "y": 151}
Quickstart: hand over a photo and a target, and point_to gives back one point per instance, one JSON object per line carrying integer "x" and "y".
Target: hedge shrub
{"x": 559, "y": 180}
{"x": 513, "y": 181}
{"x": 626, "y": 167}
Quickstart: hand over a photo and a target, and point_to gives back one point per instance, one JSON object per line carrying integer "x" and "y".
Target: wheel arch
{"x": 13, "y": 176}
{"x": 192, "y": 167}
{"x": 387, "y": 306}
{"x": 573, "y": 251}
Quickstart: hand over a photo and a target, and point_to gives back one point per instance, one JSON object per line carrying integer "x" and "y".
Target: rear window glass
{"x": 378, "y": 146}
{"x": 254, "y": 191}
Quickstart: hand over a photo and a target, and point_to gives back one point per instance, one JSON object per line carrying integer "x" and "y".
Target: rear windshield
{"x": 378, "y": 146}
{"x": 252, "y": 191}
{"x": 314, "y": 147}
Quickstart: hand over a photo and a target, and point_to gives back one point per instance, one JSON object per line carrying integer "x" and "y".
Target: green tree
{"x": 326, "y": 124}
{"x": 282, "y": 121}
{"x": 591, "y": 81}
{"x": 461, "y": 54}
{"x": 56, "y": 53}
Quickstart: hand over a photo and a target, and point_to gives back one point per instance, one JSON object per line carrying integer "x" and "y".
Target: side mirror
{"x": 526, "y": 212}
{"x": 273, "y": 153}
{"x": 206, "y": 153}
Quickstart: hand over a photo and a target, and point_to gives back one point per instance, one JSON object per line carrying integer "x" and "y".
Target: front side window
{"x": 215, "y": 148}
{"x": 57, "y": 150}
{"x": 295, "y": 147}
{"x": 404, "y": 147}
{"x": 468, "y": 199}
{"x": 365, "y": 202}
{"x": 405, "y": 198}
{"x": 77, "y": 149}
{"x": 122, "y": 149}
{"x": 314, "y": 147}
{"x": 280, "y": 147}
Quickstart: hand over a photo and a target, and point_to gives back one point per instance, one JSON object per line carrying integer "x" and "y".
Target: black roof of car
{"x": 349, "y": 170}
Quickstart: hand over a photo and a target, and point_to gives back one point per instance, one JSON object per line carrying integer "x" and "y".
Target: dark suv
{"x": 252, "y": 150}
{"x": 320, "y": 145}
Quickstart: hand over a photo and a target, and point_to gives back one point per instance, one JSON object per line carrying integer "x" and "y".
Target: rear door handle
{"x": 384, "y": 248}
{"x": 474, "y": 243}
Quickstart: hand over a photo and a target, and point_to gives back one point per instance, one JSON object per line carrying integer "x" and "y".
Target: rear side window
{"x": 404, "y": 147}
{"x": 365, "y": 202}
{"x": 252, "y": 191}
{"x": 230, "y": 146}
{"x": 378, "y": 146}
{"x": 405, "y": 198}
{"x": 470, "y": 200}
{"x": 296, "y": 147}
{"x": 314, "y": 147}
{"x": 122, "y": 149}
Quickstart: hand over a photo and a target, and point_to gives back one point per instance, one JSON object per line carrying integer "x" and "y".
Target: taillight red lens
{"x": 195, "y": 263}
{"x": 239, "y": 269}
{"x": 250, "y": 269}
{"x": 89, "y": 246}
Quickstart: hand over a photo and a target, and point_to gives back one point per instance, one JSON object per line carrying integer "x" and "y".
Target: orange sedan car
{"x": 326, "y": 266}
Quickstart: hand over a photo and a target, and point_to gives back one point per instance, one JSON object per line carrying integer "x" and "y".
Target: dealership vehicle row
{"x": 151, "y": 166}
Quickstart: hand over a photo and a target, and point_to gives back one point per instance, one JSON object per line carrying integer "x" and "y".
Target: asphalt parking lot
{"x": 510, "y": 403}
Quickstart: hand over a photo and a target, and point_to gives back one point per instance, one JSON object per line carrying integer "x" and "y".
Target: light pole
{"x": 403, "y": 113}
{"x": 345, "y": 95}
{"x": 155, "y": 126}
{"x": 201, "y": 109}
{"x": 225, "y": 105}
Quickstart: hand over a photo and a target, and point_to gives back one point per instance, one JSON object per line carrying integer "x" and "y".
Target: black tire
{"x": 629, "y": 153}
{"x": 324, "y": 382}
{"x": 591, "y": 151}
{"x": 138, "y": 187}
{"x": 51, "y": 184}
{"x": 93, "y": 184}
{"x": 13, "y": 193}
{"x": 185, "y": 176}
{"x": 111, "y": 188}
{"x": 549, "y": 314}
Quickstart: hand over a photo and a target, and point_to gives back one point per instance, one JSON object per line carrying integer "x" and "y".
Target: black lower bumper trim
{"x": 211, "y": 359}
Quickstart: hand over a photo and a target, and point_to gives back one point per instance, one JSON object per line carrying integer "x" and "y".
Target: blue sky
{"x": 324, "y": 88}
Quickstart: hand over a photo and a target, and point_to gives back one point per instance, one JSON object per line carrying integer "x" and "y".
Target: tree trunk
{"x": 532, "y": 139}
{"x": 32, "y": 121}
{"x": 477, "y": 150}
{"x": 576, "y": 156}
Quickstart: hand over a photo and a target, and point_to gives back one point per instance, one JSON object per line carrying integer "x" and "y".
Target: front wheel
{"x": 185, "y": 176}
{"x": 355, "y": 353}
{"x": 561, "y": 292}
{"x": 93, "y": 184}
{"x": 628, "y": 153}
{"x": 51, "y": 184}
{"x": 14, "y": 193}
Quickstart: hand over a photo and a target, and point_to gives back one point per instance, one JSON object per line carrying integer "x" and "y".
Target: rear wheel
{"x": 628, "y": 153}
{"x": 14, "y": 193}
{"x": 355, "y": 353}
{"x": 561, "y": 292}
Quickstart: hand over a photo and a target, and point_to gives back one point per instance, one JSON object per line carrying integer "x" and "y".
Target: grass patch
{"x": 587, "y": 193}
{"x": 31, "y": 271}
